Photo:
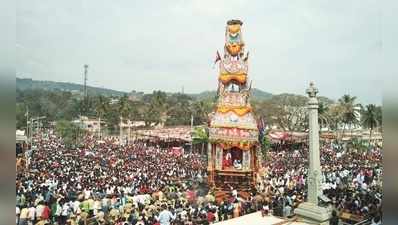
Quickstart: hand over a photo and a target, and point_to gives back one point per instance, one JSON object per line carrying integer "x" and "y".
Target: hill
{"x": 257, "y": 94}
{"x": 27, "y": 83}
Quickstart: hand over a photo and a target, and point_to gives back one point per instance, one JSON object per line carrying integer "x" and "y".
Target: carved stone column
{"x": 210, "y": 159}
{"x": 246, "y": 160}
{"x": 310, "y": 211}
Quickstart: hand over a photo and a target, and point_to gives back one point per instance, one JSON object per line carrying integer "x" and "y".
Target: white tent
{"x": 20, "y": 136}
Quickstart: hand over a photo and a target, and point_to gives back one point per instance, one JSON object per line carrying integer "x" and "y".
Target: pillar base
{"x": 312, "y": 213}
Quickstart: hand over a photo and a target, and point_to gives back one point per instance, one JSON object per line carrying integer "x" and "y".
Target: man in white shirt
{"x": 165, "y": 216}
{"x": 87, "y": 193}
{"x": 76, "y": 206}
{"x": 234, "y": 193}
{"x": 18, "y": 211}
{"x": 39, "y": 210}
{"x": 31, "y": 215}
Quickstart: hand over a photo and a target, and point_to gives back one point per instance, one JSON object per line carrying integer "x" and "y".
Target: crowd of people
{"x": 351, "y": 179}
{"x": 102, "y": 182}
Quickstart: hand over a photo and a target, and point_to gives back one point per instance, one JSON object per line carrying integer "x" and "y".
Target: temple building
{"x": 233, "y": 152}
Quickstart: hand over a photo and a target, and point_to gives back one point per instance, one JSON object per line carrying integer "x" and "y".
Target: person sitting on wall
{"x": 237, "y": 164}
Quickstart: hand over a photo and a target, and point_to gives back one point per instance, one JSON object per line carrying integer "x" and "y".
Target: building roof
{"x": 182, "y": 133}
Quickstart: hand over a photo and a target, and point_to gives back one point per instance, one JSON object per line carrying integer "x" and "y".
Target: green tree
{"x": 379, "y": 117}
{"x": 155, "y": 110}
{"x": 369, "y": 118}
{"x": 70, "y": 132}
{"x": 113, "y": 118}
{"x": 287, "y": 111}
{"x": 265, "y": 146}
{"x": 335, "y": 116}
{"x": 124, "y": 108}
{"x": 124, "y": 112}
{"x": 349, "y": 111}
{"x": 179, "y": 110}
{"x": 200, "y": 110}
{"x": 101, "y": 108}
{"x": 20, "y": 113}
{"x": 323, "y": 115}
{"x": 200, "y": 136}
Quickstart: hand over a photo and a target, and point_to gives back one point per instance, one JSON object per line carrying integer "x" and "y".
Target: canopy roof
{"x": 170, "y": 133}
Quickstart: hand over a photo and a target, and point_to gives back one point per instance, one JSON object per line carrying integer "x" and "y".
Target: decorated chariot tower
{"x": 233, "y": 152}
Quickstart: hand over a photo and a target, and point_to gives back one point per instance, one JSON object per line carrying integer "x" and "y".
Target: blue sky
{"x": 149, "y": 45}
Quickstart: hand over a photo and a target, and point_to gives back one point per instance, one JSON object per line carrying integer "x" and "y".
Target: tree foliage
{"x": 349, "y": 110}
{"x": 370, "y": 118}
{"x": 70, "y": 132}
{"x": 287, "y": 112}
{"x": 265, "y": 146}
{"x": 200, "y": 135}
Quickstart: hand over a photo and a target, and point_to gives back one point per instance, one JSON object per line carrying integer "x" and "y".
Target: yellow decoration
{"x": 240, "y": 111}
{"x": 234, "y": 126}
{"x": 235, "y": 28}
{"x": 234, "y": 48}
{"x": 242, "y": 145}
{"x": 226, "y": 78}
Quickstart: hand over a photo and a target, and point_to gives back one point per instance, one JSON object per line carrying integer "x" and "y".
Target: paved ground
{"x": 252, "y": 219}
{"x": 257, "y": 219}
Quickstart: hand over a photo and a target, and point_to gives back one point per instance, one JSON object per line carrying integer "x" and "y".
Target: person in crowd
{"x": 335, "y": 219}
{"x": 165, "y": 216}
{"x": 144, "y": 183}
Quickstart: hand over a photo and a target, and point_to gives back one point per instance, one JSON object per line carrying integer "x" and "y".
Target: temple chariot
{"x": 233, "y": 152}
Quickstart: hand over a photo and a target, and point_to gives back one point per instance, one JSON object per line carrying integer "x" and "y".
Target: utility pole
{"x": 27, "y": 123}
{"x": 38, "y": 122}
{"x": 85, "y": 88}
{"x": 191, "y": 132}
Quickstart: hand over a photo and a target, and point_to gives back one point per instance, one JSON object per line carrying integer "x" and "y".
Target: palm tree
{"x": 101, "y": 108}
{"x": 323, "y": 116}
{"x": 200, "y": 110}
{"x": 379, "y": 117}
{"x": 370, "y": 118}
{"x": 349, "y": 111}
{"x": 158, "y": 107}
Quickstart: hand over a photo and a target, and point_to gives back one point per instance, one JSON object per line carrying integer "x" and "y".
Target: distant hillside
{"x": 257, "y": 94}
{"x": 26, "y": 84}
{"x": 260, "y": 95}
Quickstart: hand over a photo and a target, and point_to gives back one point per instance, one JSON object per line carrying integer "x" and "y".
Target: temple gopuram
{"x": 233, "y": 153}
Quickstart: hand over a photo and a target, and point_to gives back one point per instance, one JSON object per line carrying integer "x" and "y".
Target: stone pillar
{"x": 246, "y": 160}
{"x": 219, "y": 156}
{"x": 314, "y": 172}
{"x": 209, "y": 157}
{"x": 310, "y": 211}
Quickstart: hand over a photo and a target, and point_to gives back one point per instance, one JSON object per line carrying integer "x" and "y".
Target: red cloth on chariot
{"x": 226, "y": 163}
